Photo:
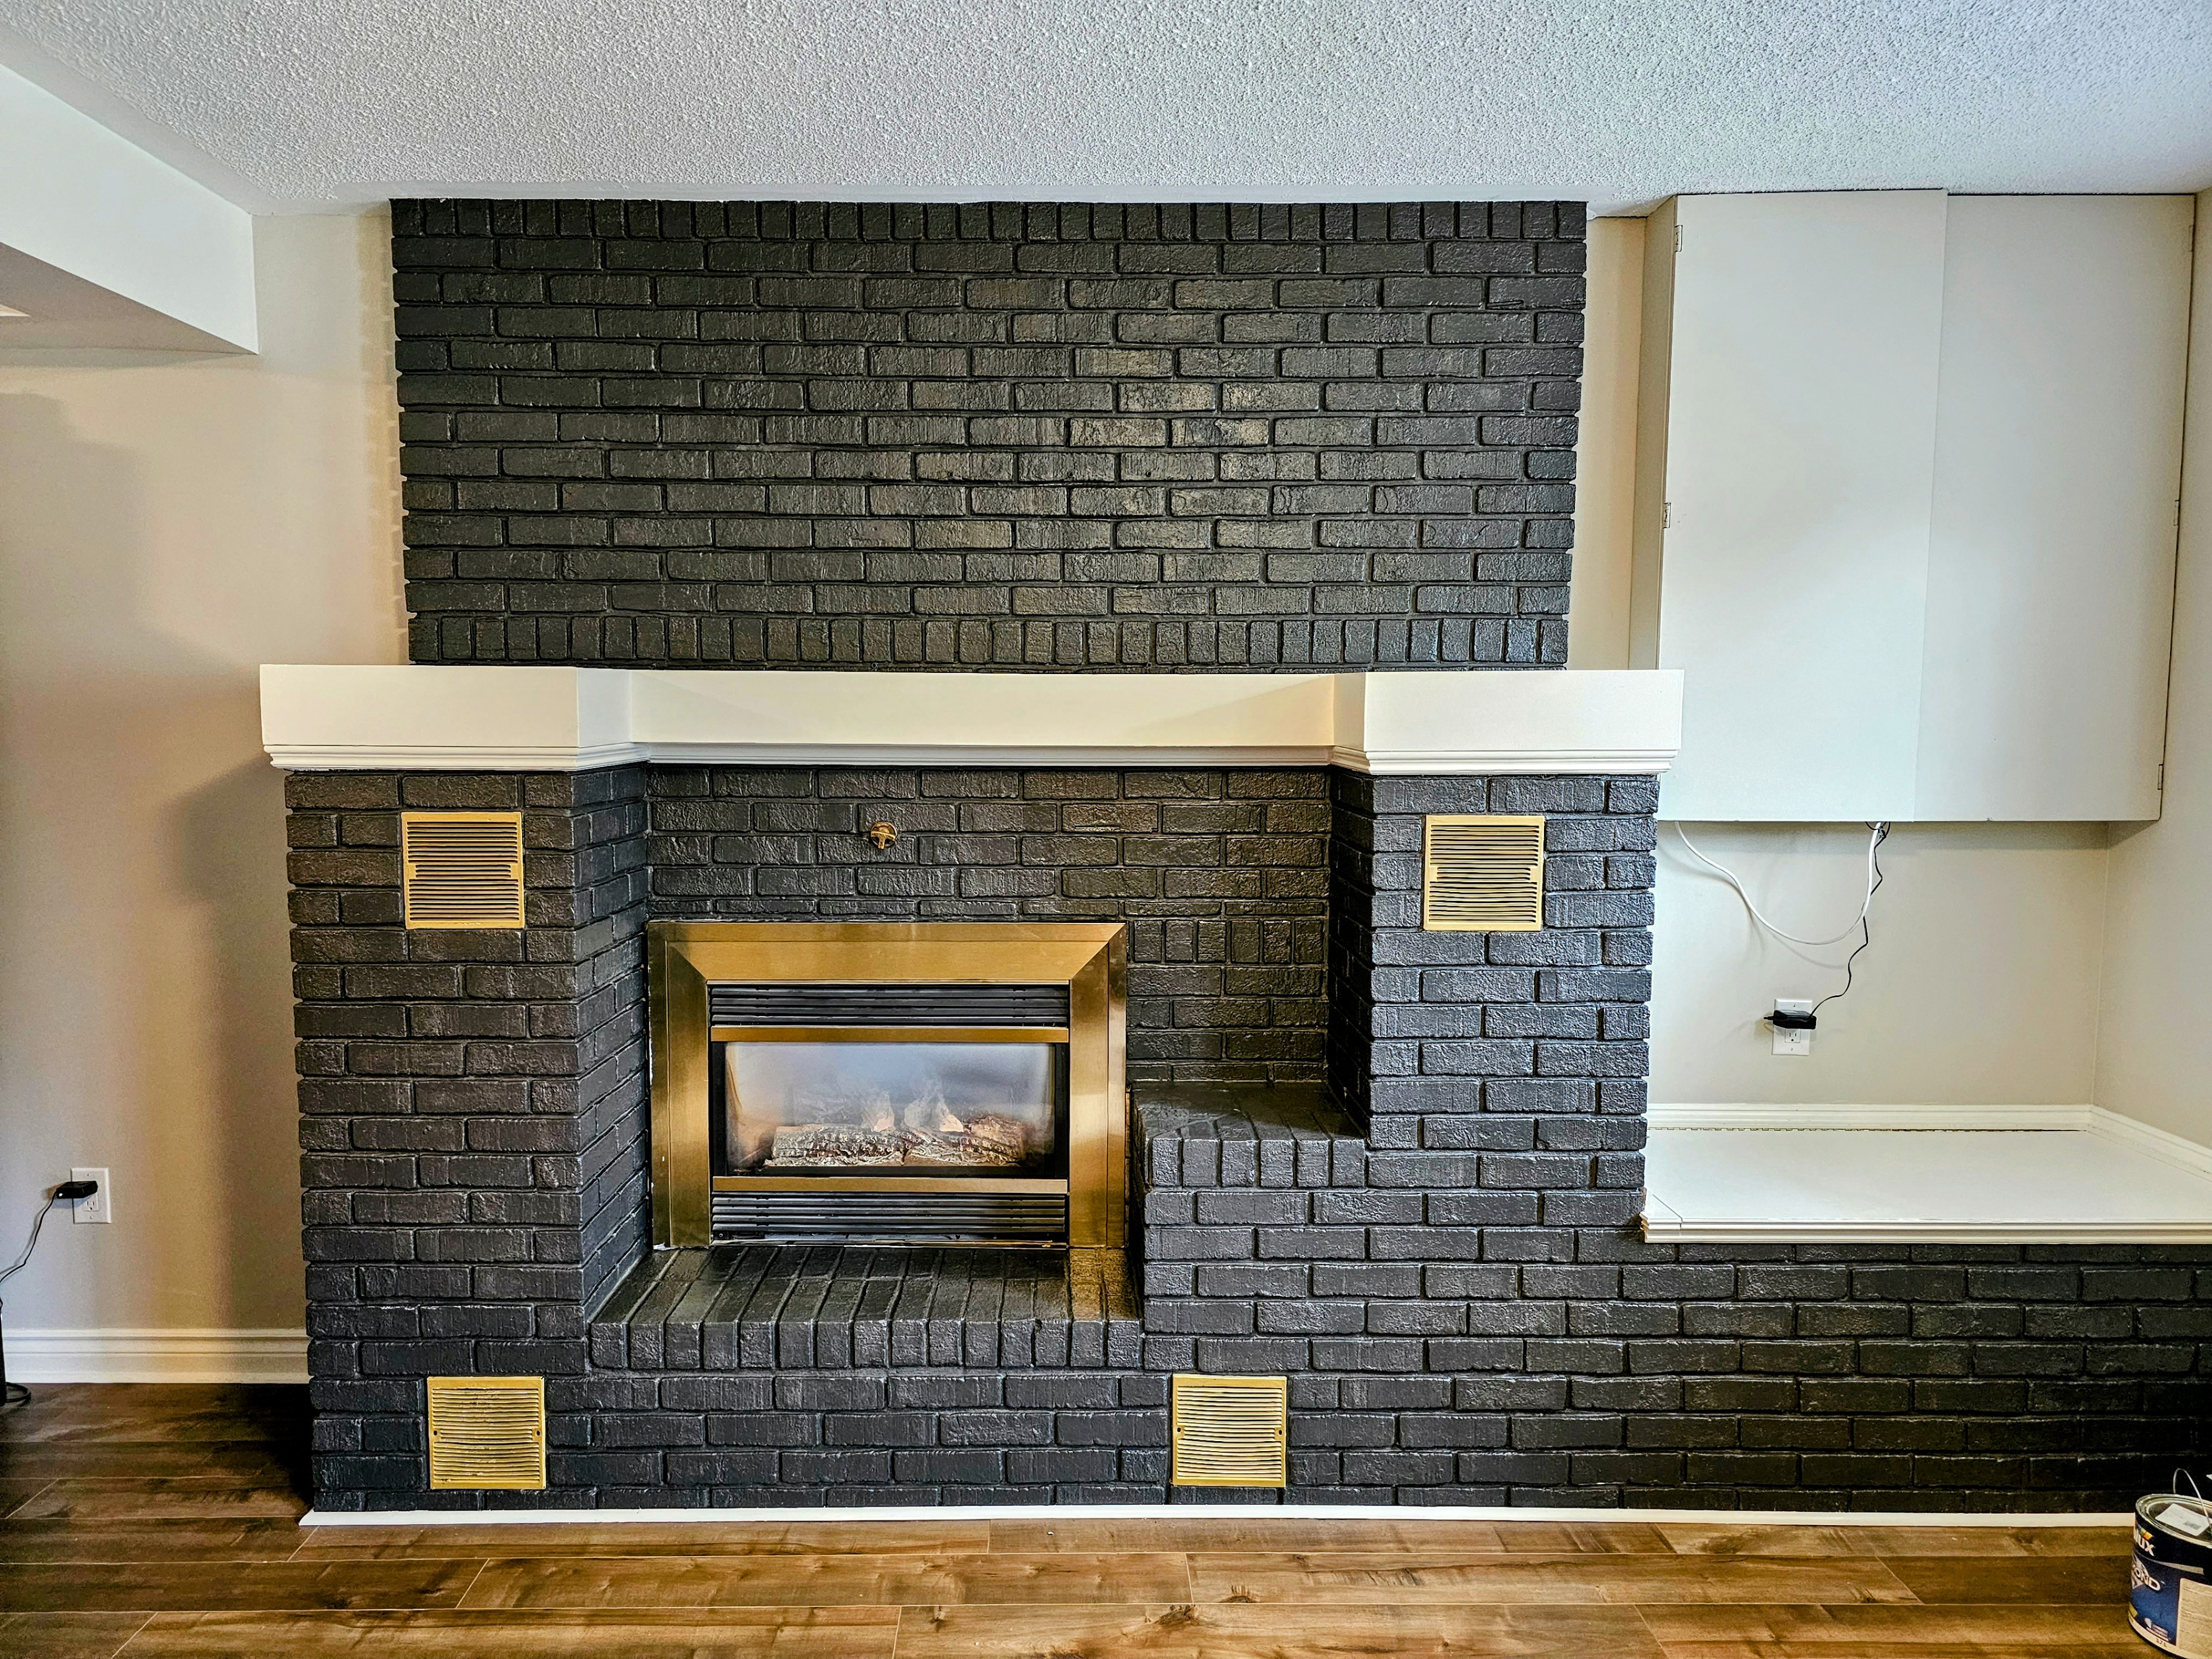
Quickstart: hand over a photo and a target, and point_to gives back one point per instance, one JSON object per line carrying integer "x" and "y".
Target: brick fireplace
{"x": 926, "y": 449}
{"x": 502, "y": 1223}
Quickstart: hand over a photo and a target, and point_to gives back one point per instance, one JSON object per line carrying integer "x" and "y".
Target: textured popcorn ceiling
{"x": 317, "y": 104}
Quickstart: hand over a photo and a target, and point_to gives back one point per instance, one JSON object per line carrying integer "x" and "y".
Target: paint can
{"x": 2170, "y": 1591}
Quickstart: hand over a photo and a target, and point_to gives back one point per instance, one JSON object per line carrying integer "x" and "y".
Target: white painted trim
{"x": 1241, "y": 1512}
{"x": 2151, "y": 1142}
{"x": 761, "y": 753}
{"x": 534, "y": 717}
{"x": 464, "y": 718}
{"x": 1660, "y": 1231}
{"x": 1760, "y": 1114}
{"x": 1664, "y": 1222}
{"x": 450, "y": 757}
{"x": 162, "y": 1355}
{"x": 2165, "y": 1147}
{"x": 1480, "y": 761}
{"x": 1575, "y": 720}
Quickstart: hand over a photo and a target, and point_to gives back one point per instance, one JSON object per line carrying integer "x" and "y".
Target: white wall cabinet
{"x": 1907, "y": 468}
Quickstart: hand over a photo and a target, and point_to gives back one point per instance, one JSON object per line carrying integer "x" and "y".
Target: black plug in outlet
{"x": 73, "y": 1190}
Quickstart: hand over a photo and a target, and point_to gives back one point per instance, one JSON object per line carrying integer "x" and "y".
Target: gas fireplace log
{"x": 827, "y": 1143}
{"x": 991, "y": 1141}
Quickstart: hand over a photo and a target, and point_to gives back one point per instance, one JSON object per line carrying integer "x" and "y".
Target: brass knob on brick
{"x": 882, "y": 834}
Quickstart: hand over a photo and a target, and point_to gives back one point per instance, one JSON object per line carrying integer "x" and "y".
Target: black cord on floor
{"x": 1866, "y": 918}
{"x": 15, "y": 1394}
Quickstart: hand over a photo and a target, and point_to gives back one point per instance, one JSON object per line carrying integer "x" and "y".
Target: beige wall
{"x": 1980, "y": 987}
{"x": 2158, "y": 986}
{"x": 1605, "y": 483}
{"x": 1982, "y": 983}
{"x": 168, "y": 524}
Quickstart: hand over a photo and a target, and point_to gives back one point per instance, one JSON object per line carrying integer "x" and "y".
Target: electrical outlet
{"x": 94, "y": 1211}
{"x": 1787, "y": 1042}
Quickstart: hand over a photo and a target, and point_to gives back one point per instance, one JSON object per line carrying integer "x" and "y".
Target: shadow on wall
{"x": 226, "y": 839}
{"x": 143, "y": 981}
{"x": 379, "y": 454}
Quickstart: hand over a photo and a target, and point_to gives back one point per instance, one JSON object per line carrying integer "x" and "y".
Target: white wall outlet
{"x": 95, "y": 1210}
{"x": 1787, "y": 1042}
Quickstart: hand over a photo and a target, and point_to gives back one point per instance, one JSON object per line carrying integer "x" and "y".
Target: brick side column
{"x": 1501, "y": 1079}
{"x": 473, "y": 1108}
{"x": 1510, "y": 1068}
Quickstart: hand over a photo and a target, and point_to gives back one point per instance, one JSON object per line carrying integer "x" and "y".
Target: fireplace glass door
{"x": 893, "y": 1106}
{"x": 913, "y": 1110}
{"x": 889, "y": 1083}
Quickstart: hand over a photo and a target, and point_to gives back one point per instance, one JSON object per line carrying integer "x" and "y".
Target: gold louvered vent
{"x": 488, "y": 1431}
{"x": 1230, "y": 1431}
{"x": 462, "y": 869}
{"x": 1483, "y": 875}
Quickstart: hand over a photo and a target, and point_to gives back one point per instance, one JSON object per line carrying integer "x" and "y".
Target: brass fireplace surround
{"x": 684, "y": 958}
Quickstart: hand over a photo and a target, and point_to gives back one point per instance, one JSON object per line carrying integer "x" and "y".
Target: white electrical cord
{"x": 1873, "y": 841}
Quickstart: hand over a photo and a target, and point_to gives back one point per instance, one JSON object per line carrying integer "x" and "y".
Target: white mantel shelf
{"x": 488, "y": 719}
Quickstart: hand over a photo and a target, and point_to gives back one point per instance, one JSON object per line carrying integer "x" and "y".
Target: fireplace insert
{"x": 889, "y": 1083}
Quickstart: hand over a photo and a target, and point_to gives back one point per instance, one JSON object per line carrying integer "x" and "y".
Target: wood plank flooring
{"x": 148, "y": 1523}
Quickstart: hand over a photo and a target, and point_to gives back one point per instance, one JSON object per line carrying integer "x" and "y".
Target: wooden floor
{"x": 162, "y": 1521}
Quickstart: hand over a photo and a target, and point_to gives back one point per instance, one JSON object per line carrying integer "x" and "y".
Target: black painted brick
{"x": 1448, "y": 1338}
{"x": 1089, "y": 436}
{"x": 1225, "y": 983}
{"x": 488, "y": 1180}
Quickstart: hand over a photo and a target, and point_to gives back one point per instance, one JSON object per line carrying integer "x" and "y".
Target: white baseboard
{"x": 2161, "y": 1143}
{"x": 1240, "y": 1513}
{"x": 165, "y": 1355}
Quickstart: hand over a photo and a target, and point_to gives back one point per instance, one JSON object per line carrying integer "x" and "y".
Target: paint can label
{"x": 2170, "y": 1588}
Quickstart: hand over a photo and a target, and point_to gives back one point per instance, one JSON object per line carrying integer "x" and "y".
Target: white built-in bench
{"x": 2049, "y": 1174}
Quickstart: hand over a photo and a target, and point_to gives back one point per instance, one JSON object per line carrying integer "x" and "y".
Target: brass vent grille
{"x": 488, "y": 1431}
{"x": 462, "y": 869}
{"x": 1482, "y": 875}
{"x": 1230, "y": 1430}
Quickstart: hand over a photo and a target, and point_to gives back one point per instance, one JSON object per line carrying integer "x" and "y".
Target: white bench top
{"x": 2073, "y": 1185}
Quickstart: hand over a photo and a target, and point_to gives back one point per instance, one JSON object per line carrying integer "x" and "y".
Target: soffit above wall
{"x": 311, "y": 106}
{"x": 104, "y": 244}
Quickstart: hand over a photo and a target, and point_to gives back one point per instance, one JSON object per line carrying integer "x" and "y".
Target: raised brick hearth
{"x": 1440, "y": 1253}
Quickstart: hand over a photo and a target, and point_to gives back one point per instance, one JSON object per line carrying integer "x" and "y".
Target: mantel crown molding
{"x": 480, "y": 719}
